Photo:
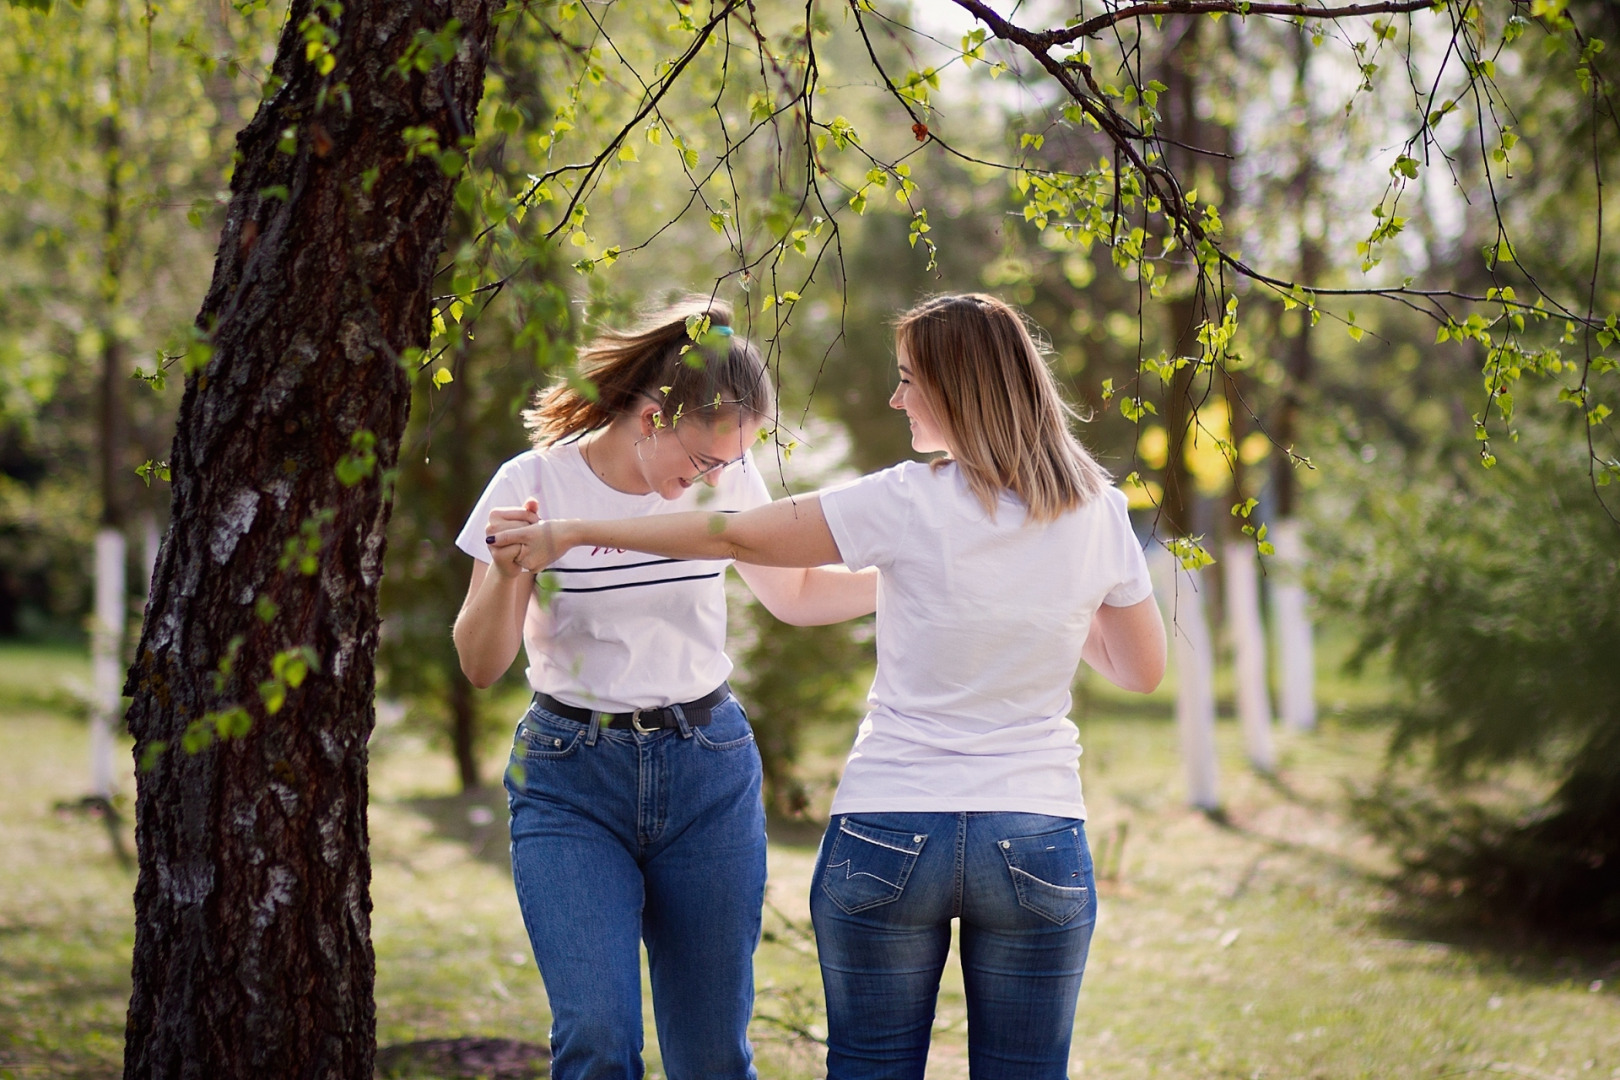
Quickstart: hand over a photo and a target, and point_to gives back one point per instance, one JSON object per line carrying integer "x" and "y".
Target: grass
{"x": 1264, "y": 944}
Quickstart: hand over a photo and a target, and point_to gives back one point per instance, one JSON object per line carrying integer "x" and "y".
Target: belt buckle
{"x": 635, "y": 722}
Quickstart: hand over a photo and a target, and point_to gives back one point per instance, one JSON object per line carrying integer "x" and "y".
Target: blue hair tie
{"x": 723, "y": 331}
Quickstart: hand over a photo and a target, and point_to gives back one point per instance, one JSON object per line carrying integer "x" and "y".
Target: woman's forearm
{"x": 489, "y": 629}
{"x": 696, "y": 534}
{"x": 788, "y": 532}
{"x": 814, "y": 597}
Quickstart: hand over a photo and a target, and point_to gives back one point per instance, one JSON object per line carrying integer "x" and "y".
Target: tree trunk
{"x": 1296, "y": 651}
{"x": 107, "y": 633}
{"x": 1181, "y": 597}
{"x": 463, "y": 705}
{"x": 464, "y": 731}
{"x": 1242, "y": 584}
{"x": 1241, "y": 593}
{"x": 252, "y": 940}
{"x": 1189, "y": 626}
{"x": 1295, "y": 645}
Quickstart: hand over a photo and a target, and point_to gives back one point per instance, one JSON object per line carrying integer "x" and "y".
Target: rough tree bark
{"x": 252, "y": 946}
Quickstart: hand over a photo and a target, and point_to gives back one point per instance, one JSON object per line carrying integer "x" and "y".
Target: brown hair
{"x": 1006, "y": 424}
{"x": 702, "y": 377}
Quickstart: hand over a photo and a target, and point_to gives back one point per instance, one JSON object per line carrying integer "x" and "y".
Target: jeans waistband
{"x": 697, "y": 712}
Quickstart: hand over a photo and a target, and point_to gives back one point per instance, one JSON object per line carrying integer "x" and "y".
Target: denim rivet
{"x": 1006, "y": 843}
{"x": 916, "y": 839}
{"x": 556, "y": 742}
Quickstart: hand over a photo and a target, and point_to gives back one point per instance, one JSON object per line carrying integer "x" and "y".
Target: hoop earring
{"x": 644, "y": 438}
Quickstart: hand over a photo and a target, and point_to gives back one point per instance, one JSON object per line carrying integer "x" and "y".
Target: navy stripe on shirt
{"x": 605, "y": 569}
{"x": 639, "y": 584}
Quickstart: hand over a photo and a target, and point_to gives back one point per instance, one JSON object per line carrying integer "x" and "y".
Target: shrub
{"x": 1497, "y": 598}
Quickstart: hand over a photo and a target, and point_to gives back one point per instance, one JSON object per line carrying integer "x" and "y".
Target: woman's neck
{"x": 610, "y": 453}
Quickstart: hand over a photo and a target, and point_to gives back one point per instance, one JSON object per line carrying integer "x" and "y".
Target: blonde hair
{"x": 718, "y": 374}
{"x": 1005, "y": 422}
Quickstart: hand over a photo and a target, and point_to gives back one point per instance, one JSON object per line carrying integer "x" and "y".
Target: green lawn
{"x": 1264, "y": 946}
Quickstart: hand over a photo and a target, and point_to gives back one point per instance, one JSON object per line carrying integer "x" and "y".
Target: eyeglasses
{"x": 699, "y": 460}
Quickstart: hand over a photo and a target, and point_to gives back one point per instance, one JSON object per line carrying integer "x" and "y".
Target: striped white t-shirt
{"x": 624, "y": 630}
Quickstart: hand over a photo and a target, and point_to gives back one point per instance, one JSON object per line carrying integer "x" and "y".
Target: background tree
{"x": 1490, "y": 594}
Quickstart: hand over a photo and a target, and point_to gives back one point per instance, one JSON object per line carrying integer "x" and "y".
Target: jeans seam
{"x": 959, "y": 871}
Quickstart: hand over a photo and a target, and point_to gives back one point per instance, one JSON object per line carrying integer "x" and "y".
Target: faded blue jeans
{"x": 620, "y": 838}
{"x": 886, "y": 888}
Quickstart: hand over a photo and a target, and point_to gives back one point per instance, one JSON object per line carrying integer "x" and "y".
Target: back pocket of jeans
{"x": 868, "y": 866}
{"x": 1048, "y": 873}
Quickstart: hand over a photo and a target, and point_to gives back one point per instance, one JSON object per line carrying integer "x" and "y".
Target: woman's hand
{"x": 530, "y": 547}
{"x": 504, "y": 521}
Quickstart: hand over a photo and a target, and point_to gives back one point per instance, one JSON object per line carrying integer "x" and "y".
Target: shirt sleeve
{"x": 868, "y": 516}
{"x": 1134, "y": 584}
{"x": 506, "y": 488}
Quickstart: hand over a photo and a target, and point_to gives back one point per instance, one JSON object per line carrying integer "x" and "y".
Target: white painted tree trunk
{"x": 151, "y": 541}
{"x": 1194, "y": 660}
{"x": 1296, "y": 654}
{"x": 106, "y": 658}
{"x": 1248, "y": 635}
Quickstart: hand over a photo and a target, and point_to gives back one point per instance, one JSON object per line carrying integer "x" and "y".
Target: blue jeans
{"x": 886, "y": 888}
{"x": 620, "y": 838}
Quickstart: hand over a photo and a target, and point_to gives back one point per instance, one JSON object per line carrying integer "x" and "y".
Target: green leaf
{"x": 274, "y": 695}
{"x": 360, "y": 462}
{"x": 151, "y": 753}
{"x": 232, "y": 723}
{"x": 199, "y": 736}
{"x": 148, "y": 469}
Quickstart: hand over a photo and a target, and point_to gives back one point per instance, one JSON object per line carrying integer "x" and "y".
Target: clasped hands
{"x": 520, "y": 542}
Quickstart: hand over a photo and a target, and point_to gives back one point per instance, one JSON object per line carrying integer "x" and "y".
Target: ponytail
{"x": 717, "y": 373}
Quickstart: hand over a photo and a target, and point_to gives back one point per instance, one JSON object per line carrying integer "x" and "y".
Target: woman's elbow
{"x": 480, "y": 679}
{"x": 474, "y": 666}
{"x": 1147, "y": 679}
{"x": 477, "y": 674}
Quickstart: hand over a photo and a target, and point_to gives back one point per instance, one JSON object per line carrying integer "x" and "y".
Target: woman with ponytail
{"x": 635, "y": 783}
{"x": 1000, "y": 567}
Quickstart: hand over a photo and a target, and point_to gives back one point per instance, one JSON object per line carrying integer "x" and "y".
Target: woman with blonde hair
{"x": 1001, "y": 566}
{"x": 635, "y": 783}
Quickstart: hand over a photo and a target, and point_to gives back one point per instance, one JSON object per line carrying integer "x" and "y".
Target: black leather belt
{"x": 697, "y": 712}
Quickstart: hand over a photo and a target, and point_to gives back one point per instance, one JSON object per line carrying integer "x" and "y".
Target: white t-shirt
{"x": 980, "y": 623}
{"x": 625, "y": 630}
